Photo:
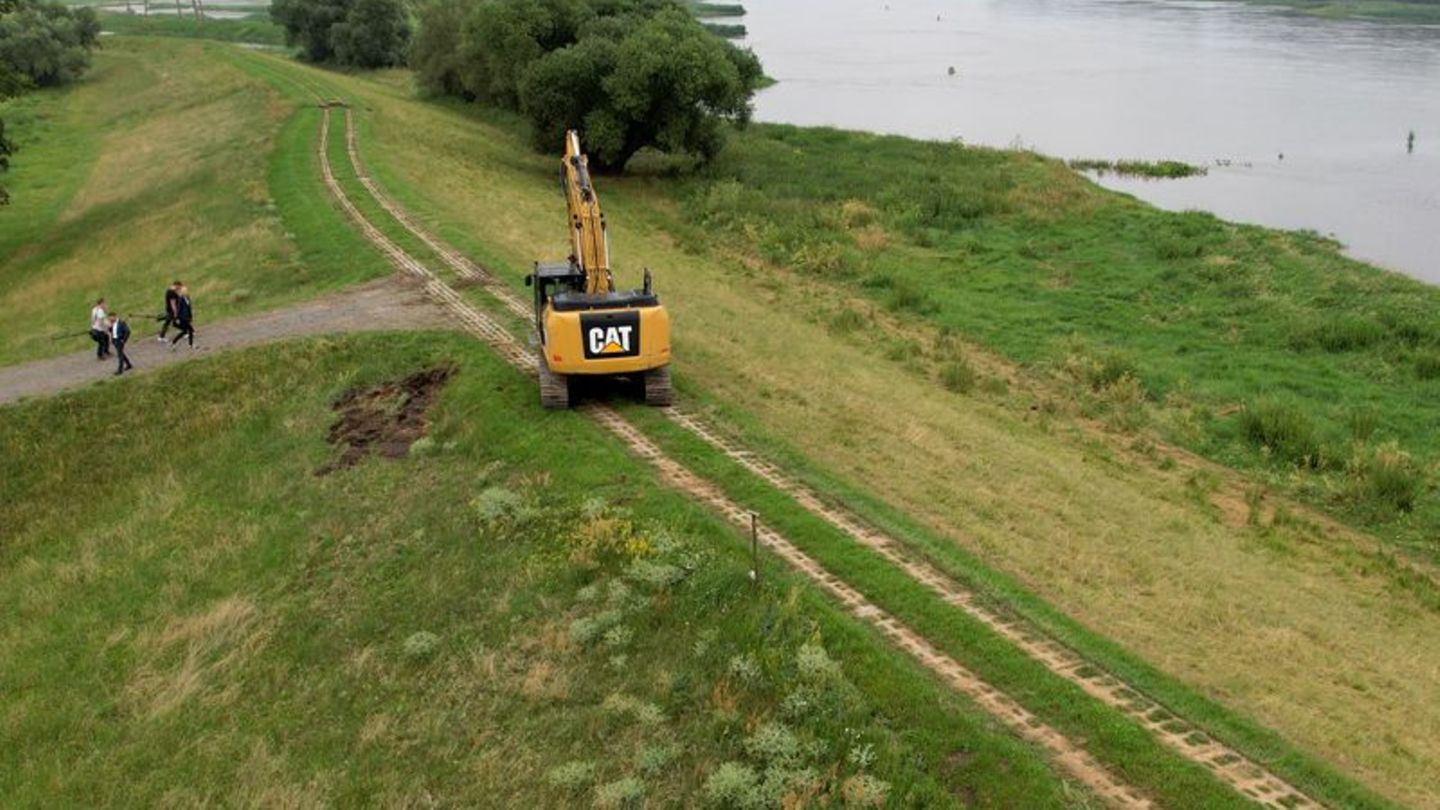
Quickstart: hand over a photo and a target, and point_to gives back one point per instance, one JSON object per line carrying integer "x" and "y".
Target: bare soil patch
{"x": 385, "y": 418}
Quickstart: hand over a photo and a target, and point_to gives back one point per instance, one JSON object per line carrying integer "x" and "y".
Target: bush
{"x": 1385, "y": 477}
{"x": 733, "y": 785}
{"x": 421, "y": 646}
{"x": 1284, "y": 429}
{"x": 623, "y": 793}
{"x": 774, "y": 744}
{"x": 864, "y": 791}
{"x": 1427, "y": 365}
{"x": 1343, "y": 334}
{"x": 571, "y": 777}
{"x": 958, "y": 376}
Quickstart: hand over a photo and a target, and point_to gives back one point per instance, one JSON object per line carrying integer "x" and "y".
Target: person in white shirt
{"x": 100, "y": 330}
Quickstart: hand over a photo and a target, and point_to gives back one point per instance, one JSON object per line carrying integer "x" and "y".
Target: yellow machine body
{"x": 606, "y": 341}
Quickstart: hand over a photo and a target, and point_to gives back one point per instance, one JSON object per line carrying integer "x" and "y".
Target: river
{"x": 1308, "y": 118}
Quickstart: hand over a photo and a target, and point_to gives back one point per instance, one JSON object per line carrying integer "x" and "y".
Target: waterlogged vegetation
{"x": 1168, "y": 169}
{"x": 1178, "y": 323}
{"x": 539, "y": 622}
{"x": 1398, "y": 11}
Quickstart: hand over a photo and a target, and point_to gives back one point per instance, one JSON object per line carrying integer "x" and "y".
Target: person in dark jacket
{"x": 184, "y": 315}
{"x": 172, "y": 303}
{"x": 119, "y": 336}
{"x": 100, "y": 330}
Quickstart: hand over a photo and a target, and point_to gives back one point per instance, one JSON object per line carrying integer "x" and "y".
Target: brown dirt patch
{"x": 385, "y": 418}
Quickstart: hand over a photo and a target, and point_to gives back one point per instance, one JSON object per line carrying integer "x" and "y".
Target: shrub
{"x": 622, "y": 793}
{"x": 1284, "y": 429}
{"x": 1339, "y": 334}
{"x": 734, "y": 786}
{"x": 587, "y": 629}
{"x": 1427, "y": 365}
{"x": 815, "y": 665}
{"x": 496, "y": 506}
{"x": 421, "y": 646}
{"x": 745, "y": 668}
{"x": 1385, "y": 477}
{"x": 857, "y": 214}
{"x": 864, "y": 791}
{"x": 774, "y": 743}
{"x": 571, "y": 777}
{"x": 846, "y": 321}
{"x": 958, "y": 376}
{"x": 654, "y": 759}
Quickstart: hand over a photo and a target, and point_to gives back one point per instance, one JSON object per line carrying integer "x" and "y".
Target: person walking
{"x": 100, "y": 330}
{"x": 120, "y": 335}
{"x": 172, "y": 302}
{"x": 184, "y": 315}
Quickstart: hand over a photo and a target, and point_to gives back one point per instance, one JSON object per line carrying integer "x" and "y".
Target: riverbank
{"x": 1401, "y": 11}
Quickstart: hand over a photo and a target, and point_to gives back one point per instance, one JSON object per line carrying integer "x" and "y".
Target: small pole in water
{"x": 1410, "y": 143}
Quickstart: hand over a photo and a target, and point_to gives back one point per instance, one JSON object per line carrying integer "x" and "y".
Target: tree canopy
{"x": 359, "y": 33}
{"x": 42, "y": 44}
{"x": 627, "y": 73}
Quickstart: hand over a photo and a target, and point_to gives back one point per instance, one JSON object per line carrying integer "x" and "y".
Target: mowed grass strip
{"x": 185, "y": 178}
{"x": 211, "y": 621}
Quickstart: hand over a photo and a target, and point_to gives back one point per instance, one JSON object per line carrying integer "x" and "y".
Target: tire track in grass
{"x": 1243, "y": 774}
{"x": 1071, "y": 758}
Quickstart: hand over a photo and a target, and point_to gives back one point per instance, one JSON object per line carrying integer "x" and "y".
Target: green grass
{"x": 1006, "y": 249}
{"x": 255, "y": 29}
{"x": 142, "y": 174}
{"x": 1113, "y": 740}
{"x": 415, "y": 627}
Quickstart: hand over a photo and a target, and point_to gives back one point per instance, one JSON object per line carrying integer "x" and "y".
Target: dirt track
{"x": 377, "y": 305}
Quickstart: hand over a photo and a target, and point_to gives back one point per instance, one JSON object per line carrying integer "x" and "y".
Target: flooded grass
{"x": 1158, "y": 169}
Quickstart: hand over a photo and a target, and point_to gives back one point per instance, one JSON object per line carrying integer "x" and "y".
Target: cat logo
{"x": 611, "y": 334}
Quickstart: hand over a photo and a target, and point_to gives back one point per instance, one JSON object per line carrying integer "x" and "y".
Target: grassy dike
{"x": 141, "y": 174}
{"x": 1253, "y": 617}
{"x": 218, "y": 623}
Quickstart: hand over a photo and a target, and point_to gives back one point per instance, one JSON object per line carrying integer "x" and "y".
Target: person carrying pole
{"x": 184, "y": 314}
{"x": 172, "y": 303}
{"x": 100, "y": 330}
{"x": 120, "y": 335}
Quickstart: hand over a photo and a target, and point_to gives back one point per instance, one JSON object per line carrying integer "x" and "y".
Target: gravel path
{"x": 389, "y": 303}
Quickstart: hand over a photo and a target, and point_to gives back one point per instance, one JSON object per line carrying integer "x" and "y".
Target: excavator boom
{"x": 589, "y": 241}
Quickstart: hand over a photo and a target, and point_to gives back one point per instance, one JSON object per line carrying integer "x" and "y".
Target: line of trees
{"x": 628, "y": 73}
{"x": 42, "y": 44}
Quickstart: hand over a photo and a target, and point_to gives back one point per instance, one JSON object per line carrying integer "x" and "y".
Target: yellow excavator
{"x": 587, "y": 328}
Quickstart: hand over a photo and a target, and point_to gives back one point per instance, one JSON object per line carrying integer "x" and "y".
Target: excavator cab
{"x": 586, "y": 327}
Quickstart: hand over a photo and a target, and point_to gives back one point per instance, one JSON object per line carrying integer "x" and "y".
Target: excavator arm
{"x": 590, "y": 245}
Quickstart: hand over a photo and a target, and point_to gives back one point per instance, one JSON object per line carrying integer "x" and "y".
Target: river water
{"x": 1309, "y": 117}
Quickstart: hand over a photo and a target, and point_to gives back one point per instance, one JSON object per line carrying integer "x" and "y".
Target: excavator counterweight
{"x": 586, "y": 327}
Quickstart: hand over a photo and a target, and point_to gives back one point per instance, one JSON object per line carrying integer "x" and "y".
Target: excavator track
{"x": 658, "y": 390}
{"x": 554, "y": 388}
